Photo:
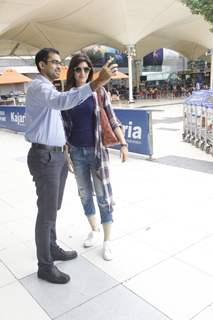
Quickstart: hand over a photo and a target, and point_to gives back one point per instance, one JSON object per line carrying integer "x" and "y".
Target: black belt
{"x": 46, "y": 147}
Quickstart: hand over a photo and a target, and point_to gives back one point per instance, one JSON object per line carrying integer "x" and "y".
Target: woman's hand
{"x": 108, "y": 70}
{"x": 68, "y": 159}
{"x": 70, "y": 165}
{"x": 124, "y": 152}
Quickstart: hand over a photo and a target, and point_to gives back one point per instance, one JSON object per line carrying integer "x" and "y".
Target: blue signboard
{"x": 137, "y": 128}
{"x": 136, "y": 124}
{"x": 154, "y": 58}
{"x": 13, "y": 118}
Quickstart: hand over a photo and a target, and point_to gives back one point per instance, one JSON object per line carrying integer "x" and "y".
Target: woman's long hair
{"x": 74, "y": 62}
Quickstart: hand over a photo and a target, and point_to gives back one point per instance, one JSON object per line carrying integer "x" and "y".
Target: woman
{"x": 89, "y": 158}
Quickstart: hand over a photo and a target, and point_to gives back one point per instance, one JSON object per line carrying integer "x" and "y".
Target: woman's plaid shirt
{"x": 101, "y": 152}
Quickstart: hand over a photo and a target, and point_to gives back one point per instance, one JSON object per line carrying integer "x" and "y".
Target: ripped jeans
{"x": 83, "y": 159}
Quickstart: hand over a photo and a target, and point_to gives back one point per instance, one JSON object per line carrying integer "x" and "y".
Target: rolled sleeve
{"x": 64, "y": 100}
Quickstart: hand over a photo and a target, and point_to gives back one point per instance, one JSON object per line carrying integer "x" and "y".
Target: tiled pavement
{"x": 162, "y": 237}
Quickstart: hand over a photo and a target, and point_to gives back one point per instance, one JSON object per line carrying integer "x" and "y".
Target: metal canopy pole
{"x": 211, "y": 72}
{"x": 130, "y": 55}
{"x": 138, "y": 73}
{"x": 209, "y": 52}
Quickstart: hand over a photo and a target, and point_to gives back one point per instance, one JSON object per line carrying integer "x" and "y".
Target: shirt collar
{"x": 44, "y": 79}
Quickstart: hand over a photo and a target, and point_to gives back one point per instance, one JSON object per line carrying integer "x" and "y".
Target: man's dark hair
{"x": 43, "y": 55}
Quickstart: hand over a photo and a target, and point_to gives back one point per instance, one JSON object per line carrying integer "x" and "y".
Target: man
{"x": 46, "y": 160}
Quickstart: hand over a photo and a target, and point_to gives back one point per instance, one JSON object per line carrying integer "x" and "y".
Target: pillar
{"x": 211, "y": 71}
{"x": 130, "y": 55}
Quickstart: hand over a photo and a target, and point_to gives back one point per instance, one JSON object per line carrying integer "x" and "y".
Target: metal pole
{"x": 130, "y": 53}
{"x": 138, "y": 73}
{"x": 211, "y": 72}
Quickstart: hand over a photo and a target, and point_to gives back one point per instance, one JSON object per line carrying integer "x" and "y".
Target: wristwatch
{"x": 124, "y": 145}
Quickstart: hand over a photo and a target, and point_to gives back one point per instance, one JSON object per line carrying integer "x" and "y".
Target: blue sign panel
{"x": 137, "y": 129}
{"x": 136, "y": 124}
{"x": 154, "y": 58}
{"x": 13, "y": 118}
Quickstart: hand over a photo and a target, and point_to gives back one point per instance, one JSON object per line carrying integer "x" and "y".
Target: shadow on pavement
{"x": 187, "y": 163}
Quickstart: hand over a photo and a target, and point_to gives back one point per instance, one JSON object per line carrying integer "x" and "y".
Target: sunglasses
{"x": 79, "y": 69}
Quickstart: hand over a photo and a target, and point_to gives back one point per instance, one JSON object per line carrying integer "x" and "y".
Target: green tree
{"x": 202, "y": 7}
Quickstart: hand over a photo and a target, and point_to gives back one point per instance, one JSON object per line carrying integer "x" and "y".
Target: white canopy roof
{"x": 70, "y": 25}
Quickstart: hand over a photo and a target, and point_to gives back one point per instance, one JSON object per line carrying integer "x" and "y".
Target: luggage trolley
{"x": 186, "y": 120}
{"x": 199, "y": 119}
{"x": 203, "y": 128}
{"x": 208, "y": 105}
{"x": 192, "y": 117}
{"x": 193, "y": 122}
{"x": 201, "y": 136}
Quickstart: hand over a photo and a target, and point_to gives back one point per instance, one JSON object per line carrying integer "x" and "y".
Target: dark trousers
{"x": 49, "y": 171}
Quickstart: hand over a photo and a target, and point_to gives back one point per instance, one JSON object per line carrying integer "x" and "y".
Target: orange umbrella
{"x": 10, "y": 76}
{"x": 119, "y": 75}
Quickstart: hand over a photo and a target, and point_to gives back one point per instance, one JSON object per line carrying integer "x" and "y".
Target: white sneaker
{"x": 92, "y": 239}
{"x": 107, "y": 251}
